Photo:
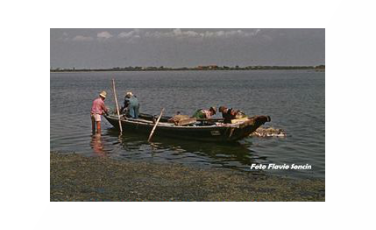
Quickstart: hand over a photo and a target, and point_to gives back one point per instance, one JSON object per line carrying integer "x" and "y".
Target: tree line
{"x": 198, "y": 68}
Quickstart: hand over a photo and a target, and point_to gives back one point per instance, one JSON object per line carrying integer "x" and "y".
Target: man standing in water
{"x": 98, "y": 108}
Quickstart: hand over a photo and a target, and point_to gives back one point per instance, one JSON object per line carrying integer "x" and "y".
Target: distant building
{"x": 201, "y": 67}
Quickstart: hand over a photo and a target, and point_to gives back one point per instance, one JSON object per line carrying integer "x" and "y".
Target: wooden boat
{"x": 213, "y": 130}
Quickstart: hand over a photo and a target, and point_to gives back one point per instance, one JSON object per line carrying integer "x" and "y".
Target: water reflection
{"x": 96, "y": 144}
{"x": 230, "y": 155}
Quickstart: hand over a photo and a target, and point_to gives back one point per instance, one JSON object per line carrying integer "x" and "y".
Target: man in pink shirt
{"x": 97, "y": 110}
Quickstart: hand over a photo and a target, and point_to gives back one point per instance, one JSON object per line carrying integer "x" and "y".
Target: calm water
{"x": 295, "y": 100}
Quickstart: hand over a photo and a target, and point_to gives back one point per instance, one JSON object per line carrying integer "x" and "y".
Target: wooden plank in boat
{"x": 188, "y": 121}
{"x": 233, "y": 121}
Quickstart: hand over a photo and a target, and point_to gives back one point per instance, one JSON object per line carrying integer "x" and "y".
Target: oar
{"x": 156, "y": 123}
{"x": 117, "y": 106}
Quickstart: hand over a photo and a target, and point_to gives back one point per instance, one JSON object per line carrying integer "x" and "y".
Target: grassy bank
{"x": 77, "y": 178}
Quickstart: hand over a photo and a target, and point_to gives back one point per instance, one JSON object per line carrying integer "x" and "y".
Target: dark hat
{"x": 213, "y": 109}
{"x": 222, "y": 108}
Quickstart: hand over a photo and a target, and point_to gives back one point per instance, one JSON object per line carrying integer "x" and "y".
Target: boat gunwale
{"x": 172, "y": 126}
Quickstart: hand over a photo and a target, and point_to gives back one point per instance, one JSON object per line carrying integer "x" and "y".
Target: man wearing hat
{"x": 230, "y": 114}
{"x": 131, "y": 105}
{"x": 97, "y": 109}
{"x": 203, "y": 113}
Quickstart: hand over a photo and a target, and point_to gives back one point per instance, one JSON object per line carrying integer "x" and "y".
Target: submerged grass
{"x": 77, "y": 178}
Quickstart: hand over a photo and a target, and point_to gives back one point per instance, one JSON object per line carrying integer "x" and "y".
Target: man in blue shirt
{"x": 131, "y": 105}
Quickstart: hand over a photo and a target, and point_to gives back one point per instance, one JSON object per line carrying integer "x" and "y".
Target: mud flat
{"x": 77, "y": 178}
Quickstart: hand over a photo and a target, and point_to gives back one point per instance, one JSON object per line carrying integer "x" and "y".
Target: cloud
{"x": 104, "y": 35}
{"x": 82, "y": 38}
{"x": 127, "y": 34}
{"x": 135, "y": 34}
{"x": 186, "y": 34}
{"x": 231, "y": 33}
{"x": 191, "y": 34}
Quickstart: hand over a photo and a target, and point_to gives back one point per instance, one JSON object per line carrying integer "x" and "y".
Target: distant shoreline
{"x": 320, "y": 68}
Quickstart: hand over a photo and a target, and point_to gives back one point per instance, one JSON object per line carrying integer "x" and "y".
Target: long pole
{"x": 156, "y": 123}
{"x": 117, "y": 106}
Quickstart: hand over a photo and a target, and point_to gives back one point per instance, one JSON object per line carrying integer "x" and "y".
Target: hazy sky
{"x": 106, "y": 48}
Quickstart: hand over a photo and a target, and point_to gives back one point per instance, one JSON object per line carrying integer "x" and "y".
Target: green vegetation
{"x": 198, "y": 68}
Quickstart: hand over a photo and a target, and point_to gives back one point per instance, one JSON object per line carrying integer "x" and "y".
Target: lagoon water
{"x": 295, "y": 101}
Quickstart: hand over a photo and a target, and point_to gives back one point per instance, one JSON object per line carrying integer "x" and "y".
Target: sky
{"x": 108, "y": 48}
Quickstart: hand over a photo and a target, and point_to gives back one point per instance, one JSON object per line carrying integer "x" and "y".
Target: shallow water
{"x": 295, "y": 100}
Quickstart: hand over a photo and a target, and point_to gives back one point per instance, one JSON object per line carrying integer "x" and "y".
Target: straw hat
{"x": 103, "y": 94}
{"x": 129, "y": 94}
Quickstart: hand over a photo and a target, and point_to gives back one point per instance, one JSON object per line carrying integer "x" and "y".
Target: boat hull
{"x": 225, "y": 133}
